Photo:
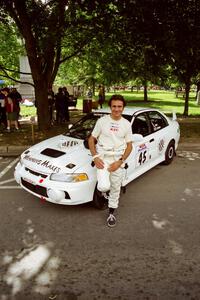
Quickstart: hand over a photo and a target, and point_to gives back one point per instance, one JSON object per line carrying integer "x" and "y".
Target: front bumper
{"x": 56, "y": 192}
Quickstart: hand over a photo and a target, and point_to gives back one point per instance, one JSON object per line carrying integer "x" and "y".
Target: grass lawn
{"x": 163, "y": 100}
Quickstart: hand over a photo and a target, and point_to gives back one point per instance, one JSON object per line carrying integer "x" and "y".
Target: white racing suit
{"x": 110, "y": 181}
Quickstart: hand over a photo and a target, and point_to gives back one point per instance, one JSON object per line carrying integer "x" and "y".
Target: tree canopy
{"x": 53, "y": 31}
{"x": 113, "y": 40}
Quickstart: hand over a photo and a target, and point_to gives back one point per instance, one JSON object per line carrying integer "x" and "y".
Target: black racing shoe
{"x": 111, "y": 220}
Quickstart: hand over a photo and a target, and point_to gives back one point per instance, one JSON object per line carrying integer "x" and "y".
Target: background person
{"x": 60, "y": 105}
{"x": 101, "y": 95}
{"x": 113, "y": 135}
{"x": 66, "y": 94}
{"x": 89, "y": 94}
{"x": 3, "y": 118}
{"x": 11, "y": 110}
{"x": 51, "y": 101}
{"x": 17, "y": 99}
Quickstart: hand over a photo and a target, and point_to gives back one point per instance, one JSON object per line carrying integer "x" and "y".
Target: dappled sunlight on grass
{"x": 163, "y": 100}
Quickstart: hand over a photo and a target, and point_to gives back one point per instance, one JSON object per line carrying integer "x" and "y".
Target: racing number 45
{"x": 142, "y": 157}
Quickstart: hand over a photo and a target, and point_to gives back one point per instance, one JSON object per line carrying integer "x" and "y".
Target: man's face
{"x": 117, "y": 108}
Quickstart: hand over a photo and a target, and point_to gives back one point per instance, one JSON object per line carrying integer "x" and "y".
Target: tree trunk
{"x": 41, "y": 96}
{"x": 187, "y": 92}
{"x": 145, "y": 92}
{"x": 93, "y": 86}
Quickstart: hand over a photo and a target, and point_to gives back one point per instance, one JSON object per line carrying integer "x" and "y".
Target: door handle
{"x": 152, "y": 140}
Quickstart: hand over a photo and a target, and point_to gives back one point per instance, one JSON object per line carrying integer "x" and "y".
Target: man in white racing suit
{"x": 113, "y": 135}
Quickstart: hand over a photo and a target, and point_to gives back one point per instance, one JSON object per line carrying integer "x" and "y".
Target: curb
{"x": 12, "y": 150}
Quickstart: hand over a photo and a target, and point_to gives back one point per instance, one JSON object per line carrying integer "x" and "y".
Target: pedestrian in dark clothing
{"x": 3, "y": 118}
{"x": 101, "y": 95}
{"x": 17, "y": 99}
{"x": 60, "y": 103}
{"x": 51, "y": 102}
{"x": 66, "y": 93}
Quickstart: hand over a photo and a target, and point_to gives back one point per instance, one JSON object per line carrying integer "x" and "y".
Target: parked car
{"x": 60, "y": 169}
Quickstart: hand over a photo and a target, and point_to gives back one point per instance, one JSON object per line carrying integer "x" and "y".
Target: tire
{"x": 99, "y": 201}
{"x": 170, "y": 153}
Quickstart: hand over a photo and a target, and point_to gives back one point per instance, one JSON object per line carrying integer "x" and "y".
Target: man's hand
{"x": 114, "y": 166}
{"x": 99, "y": 163}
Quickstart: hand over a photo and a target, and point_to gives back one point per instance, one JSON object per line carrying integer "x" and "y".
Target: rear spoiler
{"x": 174, "y": 117}
{"x": 171, "y": 115}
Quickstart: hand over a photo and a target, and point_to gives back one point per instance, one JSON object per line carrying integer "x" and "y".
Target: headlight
{"x": 69, "y": 177}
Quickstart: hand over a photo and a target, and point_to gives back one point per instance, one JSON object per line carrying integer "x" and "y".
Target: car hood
{"x": 60, "y": 154}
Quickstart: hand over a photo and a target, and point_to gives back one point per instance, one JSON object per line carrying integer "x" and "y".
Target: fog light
{"x": 55, "y": 195}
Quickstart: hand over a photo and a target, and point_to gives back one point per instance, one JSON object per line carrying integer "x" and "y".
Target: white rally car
{"x": 60, "y": 169}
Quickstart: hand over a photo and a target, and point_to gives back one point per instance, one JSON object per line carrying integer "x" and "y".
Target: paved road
{"x": 59, "y": 252}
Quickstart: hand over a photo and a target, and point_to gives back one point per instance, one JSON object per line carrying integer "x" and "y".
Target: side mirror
{"x": 137, "y": 138}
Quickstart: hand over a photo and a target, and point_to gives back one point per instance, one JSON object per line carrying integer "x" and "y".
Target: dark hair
{"x": 5, "y": 89}
{"x": 117, "y": 97}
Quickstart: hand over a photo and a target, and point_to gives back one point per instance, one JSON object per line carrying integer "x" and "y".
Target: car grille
{"x": 37, "y": 189}
{"x": 40, "y": 190}
{"x": 36, "y": 173}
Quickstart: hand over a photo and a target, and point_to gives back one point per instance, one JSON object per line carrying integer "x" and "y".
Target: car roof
{"x": 127, "y": 110}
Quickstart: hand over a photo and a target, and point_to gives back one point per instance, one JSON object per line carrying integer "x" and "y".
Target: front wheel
{"x": 170, "y": 153}
{"x": 99, "y": 201}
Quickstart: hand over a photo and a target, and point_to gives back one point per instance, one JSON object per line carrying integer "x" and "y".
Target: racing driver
{"x": 110, "y": 144}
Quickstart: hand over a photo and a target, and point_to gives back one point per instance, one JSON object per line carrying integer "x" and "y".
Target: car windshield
{"x": 83, "y": 128}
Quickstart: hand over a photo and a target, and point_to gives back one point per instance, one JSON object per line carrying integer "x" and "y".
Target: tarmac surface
{"x": 50, "y": 251}
{"x": 60, "y": 252}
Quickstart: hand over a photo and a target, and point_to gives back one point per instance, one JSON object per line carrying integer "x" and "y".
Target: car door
{"x": 139, "y": 161}
{"x": 159, "y": 128}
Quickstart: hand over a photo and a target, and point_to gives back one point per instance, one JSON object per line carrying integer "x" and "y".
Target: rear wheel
{"x": 170, "y": 153}
{"x": 99, "y": 201}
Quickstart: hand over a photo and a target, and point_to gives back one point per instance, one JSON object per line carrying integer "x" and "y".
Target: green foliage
{"x": 10, "y": 49}
{"x": 107, "y": 42}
